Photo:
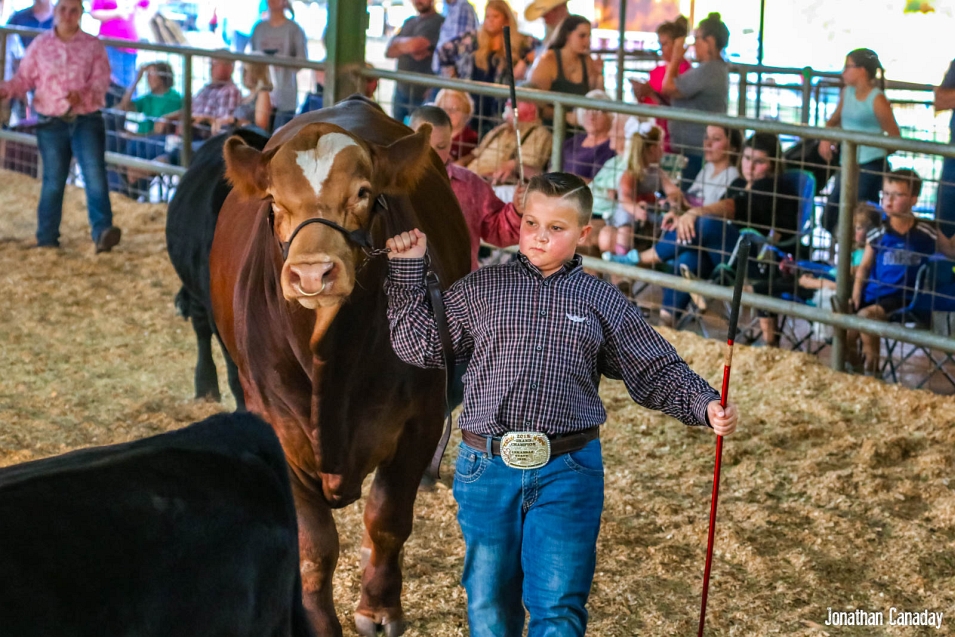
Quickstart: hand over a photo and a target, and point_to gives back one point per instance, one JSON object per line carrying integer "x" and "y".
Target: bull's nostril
{"x": 309, "y": 279}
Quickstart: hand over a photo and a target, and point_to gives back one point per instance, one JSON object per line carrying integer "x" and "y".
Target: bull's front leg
{"x": 318, "y": 550}
{"x": 389, "y": 516}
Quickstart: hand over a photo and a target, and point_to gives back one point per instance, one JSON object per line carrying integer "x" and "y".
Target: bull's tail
{"x": 185, "y": 304}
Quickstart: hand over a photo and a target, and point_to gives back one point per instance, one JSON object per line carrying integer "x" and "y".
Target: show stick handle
{"x": 742, "y": 263}
{"x": 512, "y": 85}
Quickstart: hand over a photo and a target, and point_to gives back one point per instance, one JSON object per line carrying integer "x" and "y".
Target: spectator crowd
{"x": 671, "y": 195}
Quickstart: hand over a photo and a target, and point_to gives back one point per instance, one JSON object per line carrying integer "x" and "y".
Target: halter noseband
{"x": 359, "y": 237}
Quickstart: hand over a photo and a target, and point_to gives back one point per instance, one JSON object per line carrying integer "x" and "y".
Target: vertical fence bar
{"x": 557, "y": 146}
{"x": 743, "y": 88}
{"x": 848, "y": 194}
{"x": 186, "y": 119}
{"x": 620, "y": 50}
{"x": 3, "y": 54}
{"x": 806, "y": 94}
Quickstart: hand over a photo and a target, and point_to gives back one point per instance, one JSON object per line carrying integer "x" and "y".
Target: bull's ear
{"x": 246, "y": 168}
{"x": 401, "y": 165}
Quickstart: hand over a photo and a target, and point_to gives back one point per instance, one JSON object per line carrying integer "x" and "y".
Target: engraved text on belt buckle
{"x": 525, "y": 449}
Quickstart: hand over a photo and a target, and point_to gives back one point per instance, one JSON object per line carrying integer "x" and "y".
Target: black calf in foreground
{"x": 191, "y": 533}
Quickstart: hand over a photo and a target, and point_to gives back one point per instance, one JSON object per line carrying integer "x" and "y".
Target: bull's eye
{"x": 364, "y": 192}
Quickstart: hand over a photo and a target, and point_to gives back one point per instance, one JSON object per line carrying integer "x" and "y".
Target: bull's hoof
{"x": 211, "y": 396}
{"x": 368, "y": 627}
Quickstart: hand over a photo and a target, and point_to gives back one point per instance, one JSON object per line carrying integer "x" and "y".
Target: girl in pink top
{"x": 651, "y": 91}
{"x": 69, "y": 72}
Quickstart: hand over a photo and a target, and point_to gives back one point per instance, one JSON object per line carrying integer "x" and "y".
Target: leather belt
{"x": 561, "y": 444}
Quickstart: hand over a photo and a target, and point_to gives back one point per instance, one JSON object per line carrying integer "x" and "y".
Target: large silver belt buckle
{"x": 525, "y": 449}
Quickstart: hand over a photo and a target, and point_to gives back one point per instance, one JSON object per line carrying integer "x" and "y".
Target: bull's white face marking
{"x": 317, "y": 162}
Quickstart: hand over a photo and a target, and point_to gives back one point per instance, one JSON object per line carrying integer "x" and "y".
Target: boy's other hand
{"x": 407, "y": 245}
{"x": 722, "y": 419}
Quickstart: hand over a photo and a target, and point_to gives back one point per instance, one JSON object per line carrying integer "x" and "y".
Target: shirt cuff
{"x": 406, "y": 272}
{"x": 699, "y": 406}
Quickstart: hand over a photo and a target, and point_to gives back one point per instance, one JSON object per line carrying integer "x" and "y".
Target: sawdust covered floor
{"x": 837, "y": 492}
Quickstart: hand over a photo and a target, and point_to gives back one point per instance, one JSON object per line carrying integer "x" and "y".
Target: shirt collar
{"x": 571, "y": 267}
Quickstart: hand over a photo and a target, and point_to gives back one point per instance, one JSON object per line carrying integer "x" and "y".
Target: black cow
{"x": 190, "y": 224}
{"x": 190, "y": 533}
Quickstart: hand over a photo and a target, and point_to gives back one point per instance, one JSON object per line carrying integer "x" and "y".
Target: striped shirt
{"x": 538, "y": 347}
{"x": 459, "y": 18}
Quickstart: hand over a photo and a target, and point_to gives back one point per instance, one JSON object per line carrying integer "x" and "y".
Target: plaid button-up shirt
{"x": 539, "y": 346}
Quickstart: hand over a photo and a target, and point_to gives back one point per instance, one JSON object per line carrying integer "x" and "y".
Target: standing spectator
{"x": 69, "y": 72}
{"x": 459, "y": 18}
{"x": 459, "y": 107}
{"x": 651, "y": 91}
{"x": 704, "y": 88}
{"x": 39, "y": 16}
{"x": 278, "y": 35}
{"x": 413, "y": 47}
{"x": 862, "y": 107}
{"x": 945, "y": 202}
{"x": 240, "y": 17}
{"x": 586, "y": 152}
{"x": 553, "y": 12}
{"x": 118, "y": 21}
{"x": 479, "y": 56}
{"x": 567, "y": 66}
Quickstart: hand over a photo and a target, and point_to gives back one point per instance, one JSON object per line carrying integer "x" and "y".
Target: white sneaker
{"x": 698, "y": 299}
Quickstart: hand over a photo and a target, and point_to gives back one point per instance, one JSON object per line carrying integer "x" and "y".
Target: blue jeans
{"x": 404, "y": 105}
{"x": 945, "y": 204}
{"x": 122, "y": 65}
{"x": 59, "y": 141}
{"x": 715, "y": 240}
{"x": 530, "y": 541}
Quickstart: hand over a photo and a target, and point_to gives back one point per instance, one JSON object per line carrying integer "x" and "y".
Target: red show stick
{"x": 742, "y": 261}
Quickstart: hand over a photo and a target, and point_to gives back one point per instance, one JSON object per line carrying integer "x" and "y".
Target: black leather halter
{"x": 359, "y": 237}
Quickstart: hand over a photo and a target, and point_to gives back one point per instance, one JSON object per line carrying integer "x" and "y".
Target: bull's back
{"x": 188, "y": 533}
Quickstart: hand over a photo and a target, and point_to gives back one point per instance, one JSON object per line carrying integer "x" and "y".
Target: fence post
{"x": 743, "y": 89}
{"x": 620, "y": 50}
{"x": 806, "y": 94}
{"x": 186, "y": 119}
{"x": 557, "y": 146}
{"x": 344, "y": 49}
{"x": 848, "y": 194}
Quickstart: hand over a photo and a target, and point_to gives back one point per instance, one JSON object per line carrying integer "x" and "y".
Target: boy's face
{"x": 897, "y": 199}
{"x": 550, "y": 232}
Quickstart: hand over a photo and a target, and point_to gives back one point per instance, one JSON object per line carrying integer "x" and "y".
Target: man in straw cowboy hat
{"x": 553, "y": 11}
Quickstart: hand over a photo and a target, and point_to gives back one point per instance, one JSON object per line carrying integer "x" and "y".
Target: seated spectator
{"x": 495, "y": 159}
{"x": 213, "y": 107}
{"x": 281, "y": 36}
{"x": 487, "y": 217}
{"x": 699, "y": 239}
{"x": 637, "y": 188}
{"x": 896, "y": 249}
{"x": 161, "y": 100}
{"x": 459, "y": 107}
{"x": 721, "y": 148}
{"x": 256, "y": 108}
{"x": 651, "y": 91}
{"x": 586, "y": 152}
{"x": 479, "y": 56}
{"x": 567, "y": 66}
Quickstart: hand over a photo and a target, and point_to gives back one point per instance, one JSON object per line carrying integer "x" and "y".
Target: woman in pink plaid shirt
{"x": 69, "y": 72}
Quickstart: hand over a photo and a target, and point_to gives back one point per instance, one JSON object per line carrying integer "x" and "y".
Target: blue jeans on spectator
{"x": 945, "y": 203}
{"x": 714, "y": 242}
{"x": 530, "y": 541}
{"x": 122, "y": 66}
{"x": 403, "y": 105}
{"x": 59, "y": 141}
{"x": 870, "y": 185}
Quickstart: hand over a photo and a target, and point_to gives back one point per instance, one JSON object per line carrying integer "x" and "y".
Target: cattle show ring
{"x": 837, "y": 491}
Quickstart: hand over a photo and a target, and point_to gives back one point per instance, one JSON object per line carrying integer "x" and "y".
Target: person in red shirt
{"x": 488, "y": 217}
{"x": 69, "y": 72}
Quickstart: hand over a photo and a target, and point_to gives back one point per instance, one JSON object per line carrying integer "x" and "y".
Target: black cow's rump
{"x": 190, "y": 226}
{"x": 187, "y": 533}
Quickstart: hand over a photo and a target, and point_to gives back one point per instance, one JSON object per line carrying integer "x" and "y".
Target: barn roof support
{"x": 345, "y": 47}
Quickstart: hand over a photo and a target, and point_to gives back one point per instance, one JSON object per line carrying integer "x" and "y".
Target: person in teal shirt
{"x": 161, "y": 100}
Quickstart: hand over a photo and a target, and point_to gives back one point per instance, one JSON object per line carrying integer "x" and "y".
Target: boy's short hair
{"x": 906, "y": 176}
{"x": 431, "y": 115}
{"x": 565, "y": 186}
